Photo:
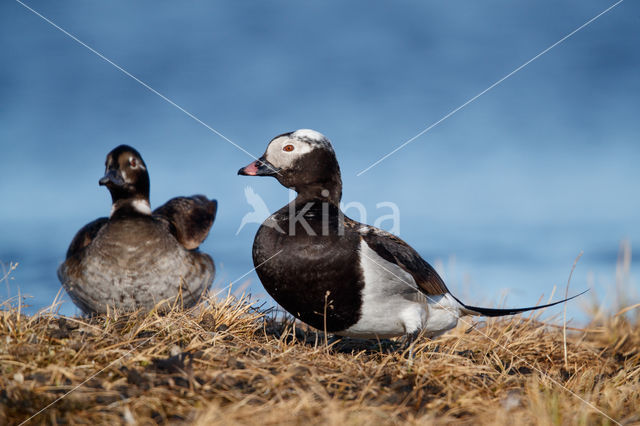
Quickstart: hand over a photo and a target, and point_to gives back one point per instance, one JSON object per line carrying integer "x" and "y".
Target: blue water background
{"x": 502, "y": 196}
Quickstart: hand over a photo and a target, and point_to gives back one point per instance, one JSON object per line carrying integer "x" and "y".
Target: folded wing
{"x": 189, "y": 218}
{"x": 395, "y": 250}
{"x": 85, "y": 235}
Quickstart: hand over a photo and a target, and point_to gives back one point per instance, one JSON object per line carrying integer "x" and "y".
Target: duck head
{"x": 127, "y": 179}
{"x": 304, "y": 161}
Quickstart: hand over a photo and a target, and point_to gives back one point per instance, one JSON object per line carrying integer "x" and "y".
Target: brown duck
{"x": 137, "y": 258}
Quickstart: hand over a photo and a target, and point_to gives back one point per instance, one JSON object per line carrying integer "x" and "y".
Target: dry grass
{"x": 223, "y": 362}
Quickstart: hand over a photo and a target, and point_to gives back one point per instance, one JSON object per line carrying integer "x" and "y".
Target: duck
{"x": 338, "y": 275}
{"x": 138, "y": 259}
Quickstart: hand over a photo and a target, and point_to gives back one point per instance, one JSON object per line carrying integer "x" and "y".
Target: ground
{"x": 226, "y": 362}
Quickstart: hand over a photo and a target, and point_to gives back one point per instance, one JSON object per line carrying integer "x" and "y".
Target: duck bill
{"x": 111, "y": 178}
{"x": 260, "y": 167}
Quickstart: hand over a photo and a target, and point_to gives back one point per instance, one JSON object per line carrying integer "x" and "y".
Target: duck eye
{"x": 288, "y": 148}
{"x": 133, "y": 163}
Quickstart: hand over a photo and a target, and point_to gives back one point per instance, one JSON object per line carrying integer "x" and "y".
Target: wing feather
{"x": 85, "y": 235}
{"x": 395, "y": 250}
{"x": 189, "y": 218}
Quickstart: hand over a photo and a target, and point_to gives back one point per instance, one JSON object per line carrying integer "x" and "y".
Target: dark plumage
{"x": 337, "y": 274}
{"x": 190, "y": 218}
{"x": 137, "y": 258}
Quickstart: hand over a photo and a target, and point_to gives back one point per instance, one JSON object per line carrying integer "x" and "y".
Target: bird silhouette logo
{"x": 260, "y": 211}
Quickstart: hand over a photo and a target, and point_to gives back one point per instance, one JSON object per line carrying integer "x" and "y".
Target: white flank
{"x": 444, "y": 312}
{"x": 393, "y": 306}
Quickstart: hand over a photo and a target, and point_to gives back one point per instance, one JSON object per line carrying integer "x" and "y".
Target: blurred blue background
{"x": 501, "y": 197}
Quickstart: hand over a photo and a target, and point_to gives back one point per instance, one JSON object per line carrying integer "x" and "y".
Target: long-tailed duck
{"x": 337, "y": 274}
{"x": 136, "y": 258}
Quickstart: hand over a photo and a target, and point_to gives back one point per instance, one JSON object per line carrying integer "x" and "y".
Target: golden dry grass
{"x": 224, "y": 362}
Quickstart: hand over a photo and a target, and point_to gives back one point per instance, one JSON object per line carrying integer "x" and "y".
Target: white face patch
{"x": 297, "y": 144}
{"x": 282, "y": 159}
{"x": 135, "y": 163}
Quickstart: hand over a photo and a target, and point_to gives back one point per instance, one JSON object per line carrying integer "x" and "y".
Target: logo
{"x": 261, "y": 214}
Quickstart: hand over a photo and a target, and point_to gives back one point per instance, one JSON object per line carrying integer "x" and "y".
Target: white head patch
{"x": 134, "y": 163}
{"x": 284, "y": 150}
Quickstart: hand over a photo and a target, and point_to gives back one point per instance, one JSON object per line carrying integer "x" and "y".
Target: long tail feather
{"x": 492, "y": 312}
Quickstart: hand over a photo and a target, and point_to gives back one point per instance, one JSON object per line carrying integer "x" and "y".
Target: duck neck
{"x": 324, "y": 191}
{"x": 127, "y": 206}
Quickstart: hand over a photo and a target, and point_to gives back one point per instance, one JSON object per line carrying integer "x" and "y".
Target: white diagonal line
{"x": 497, "y": 343}
{"x": 128, "y": 74}
{"x": 128, "y": 352}
{"x": 452, "y": 112}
